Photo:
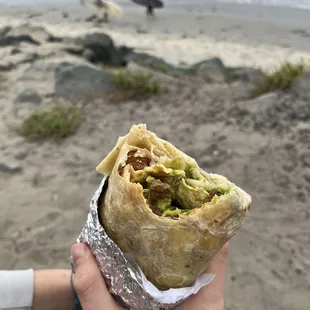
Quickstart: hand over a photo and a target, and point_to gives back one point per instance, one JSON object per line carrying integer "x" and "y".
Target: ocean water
{"x": 180, "y": 4}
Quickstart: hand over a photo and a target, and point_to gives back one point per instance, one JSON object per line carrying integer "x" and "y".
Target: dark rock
{"x": 37, "y": 33}
{"x": 212, "y": 70}
{"x": 91, "y": 18}
{"x": 72, "y": 49}
{"x": 65, "y": 15}
{"x": 15, "y": 51}
{"x": 245, "y": 74}
{"x": 102, "y": 47}
{"x": 77, "y": 80}
{"x": 12, "y": 61}
{"x": 34, "y": 35}
{"x": 68, "y": 77}
{"x": 4, "y": 31}
{"x": 210, "y": 63}
{"x": 24, "y": 58}
{"x": 157, "y": 65}
{"x": 6, "y": 66}
{"x": 89, "y": 55}
{"x": 124, "y": 52}
{"x": 13, "y": 40}
{"x": 4, "y": 168}
{"x": 28, "y": 95}
{"x": 143, "y": 58}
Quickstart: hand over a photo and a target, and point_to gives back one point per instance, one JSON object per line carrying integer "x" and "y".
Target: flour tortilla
{"x": 171, "y": 249}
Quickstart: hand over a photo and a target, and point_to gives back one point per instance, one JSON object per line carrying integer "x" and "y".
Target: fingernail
{"x": 79, "y": 252}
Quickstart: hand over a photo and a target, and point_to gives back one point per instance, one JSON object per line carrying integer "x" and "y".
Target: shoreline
{"x": 288, "y": 15}
{"x": 182, "y": 37}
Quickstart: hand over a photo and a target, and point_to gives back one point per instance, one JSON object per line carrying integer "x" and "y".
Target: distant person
{"x": 106, "y": 16}
{"x": 101, "y": 6}
{"x": 149, "y": 8}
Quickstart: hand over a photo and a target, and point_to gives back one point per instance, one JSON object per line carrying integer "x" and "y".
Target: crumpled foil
{"x": 125, "y": 280}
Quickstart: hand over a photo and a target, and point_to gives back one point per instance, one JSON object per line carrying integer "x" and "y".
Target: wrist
{"x": 52, "y": 290}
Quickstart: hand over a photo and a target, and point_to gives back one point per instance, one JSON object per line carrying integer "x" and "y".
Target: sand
{"x": 262, "y": 145}
{"x": 186, "y": 37}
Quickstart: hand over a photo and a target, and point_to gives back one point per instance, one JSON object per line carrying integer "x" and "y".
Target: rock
{"x": 157, "y": 65}
{"x": 68, "y": 77}
{"x": 300, "y": 87}
{"x": 4, "y": 168}
{"x": 41, "y": 72}
{"x": 15, "y": 51}
{"x": 28, "y": 95}
{"x": 12, "y": 61}
{"x": 34, "y": 35}
{"x": 91, "y": 18}
{"x": 4, "y": 31}
{"x": 102, "y": 47}
{"x": 245, "y": 74}
{"x": 68, "y": 48}
{"x": 124, "y": 51}
{"x": 12, "y": 40}
{"x": 89, "y": 55}
{"x": 65, "y": 15}
{"x": 57, "y": 49}
{"x": 147, "y": 60}
{"x": 82, "y": 80}
{"x": 212, "y": 70}
{"x": 5, "y": 65}
{"x": 24, "y": 58}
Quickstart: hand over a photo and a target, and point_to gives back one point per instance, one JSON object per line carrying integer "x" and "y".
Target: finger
{"x": 88, "y": 281}
{"x": 215, "y": 290}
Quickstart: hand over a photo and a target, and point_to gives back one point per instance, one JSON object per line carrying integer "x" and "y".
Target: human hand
{"x": 93, "y": 293}
{"x": 210, "y": 297}
{"x": 88, "y": 281}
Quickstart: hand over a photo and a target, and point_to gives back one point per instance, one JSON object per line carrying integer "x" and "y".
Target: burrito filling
{"x": 172, "y": 187}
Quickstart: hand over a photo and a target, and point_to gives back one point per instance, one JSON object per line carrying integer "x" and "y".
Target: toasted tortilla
{"x": 159, "y": 206}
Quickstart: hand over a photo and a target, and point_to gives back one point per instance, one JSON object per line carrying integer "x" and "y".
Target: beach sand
{"x": 263, "y": 149}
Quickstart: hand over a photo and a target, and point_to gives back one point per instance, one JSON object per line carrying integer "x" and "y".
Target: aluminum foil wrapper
{"x": 125, "y": 280}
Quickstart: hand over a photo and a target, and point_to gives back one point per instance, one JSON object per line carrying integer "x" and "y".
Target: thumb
{"x": 88, "y": 281}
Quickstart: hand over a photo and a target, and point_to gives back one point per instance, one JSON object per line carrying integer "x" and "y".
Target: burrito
{"x": 162, "y": 209}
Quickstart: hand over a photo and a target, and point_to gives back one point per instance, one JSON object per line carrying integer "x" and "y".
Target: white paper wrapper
{"x": 125, "y": 280}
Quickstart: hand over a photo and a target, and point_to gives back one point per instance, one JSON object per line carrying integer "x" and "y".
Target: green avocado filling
{"x": 174, "y": 188}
